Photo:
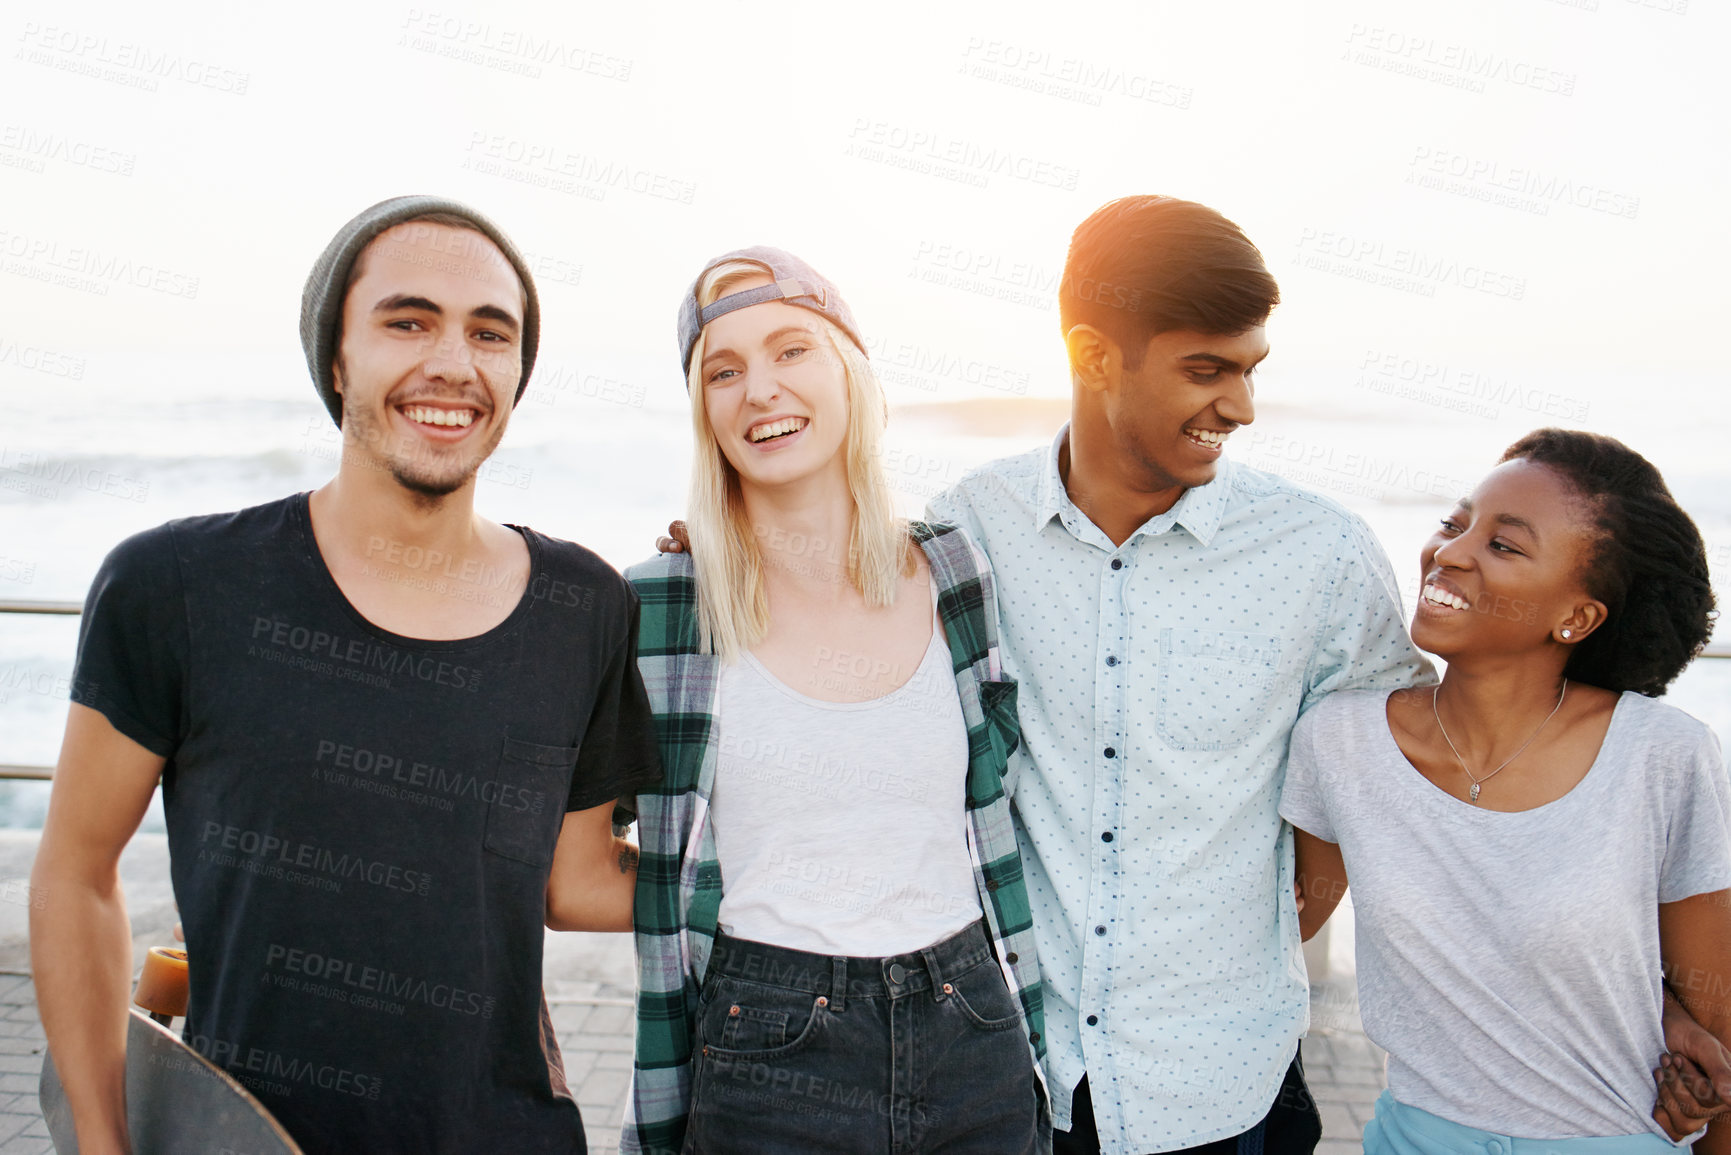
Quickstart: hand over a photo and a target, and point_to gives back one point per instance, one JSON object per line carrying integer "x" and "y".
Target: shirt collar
{"x": 1199, "y": 510}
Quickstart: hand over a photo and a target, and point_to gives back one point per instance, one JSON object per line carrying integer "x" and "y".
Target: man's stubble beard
{"x": 427, "y": 488}
{"x": 1131, "y": 439}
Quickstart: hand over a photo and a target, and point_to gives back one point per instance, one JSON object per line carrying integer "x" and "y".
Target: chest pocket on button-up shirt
{"x": 1215, "y": 686}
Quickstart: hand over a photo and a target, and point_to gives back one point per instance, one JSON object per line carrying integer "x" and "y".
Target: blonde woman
{"x": 833, "y": 933}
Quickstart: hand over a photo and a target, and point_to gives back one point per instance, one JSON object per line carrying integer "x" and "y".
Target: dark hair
{"x": 1145, "y": 265}
{"x": 1649, "y": 565}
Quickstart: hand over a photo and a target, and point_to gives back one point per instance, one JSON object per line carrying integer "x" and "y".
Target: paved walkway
{"x": 1346, "y": 1074}
{"x": 593, "y": 1022}
{"x": 21, "y": 1128}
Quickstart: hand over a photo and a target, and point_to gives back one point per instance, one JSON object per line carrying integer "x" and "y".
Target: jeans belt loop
{"x": 935, "y": 972}
{"x": 837, "y": 983}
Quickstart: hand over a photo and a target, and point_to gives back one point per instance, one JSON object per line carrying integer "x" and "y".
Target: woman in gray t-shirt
{"x": 1533, "y": 842}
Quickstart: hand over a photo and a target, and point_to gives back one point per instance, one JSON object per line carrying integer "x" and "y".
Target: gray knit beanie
{"x": 322, "y": 299}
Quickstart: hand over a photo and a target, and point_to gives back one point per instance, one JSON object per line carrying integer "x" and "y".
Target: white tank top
{"x": 841, "y": 827}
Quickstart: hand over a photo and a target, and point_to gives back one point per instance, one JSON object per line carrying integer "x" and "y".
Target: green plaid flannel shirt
{"x": 679, "y": 878}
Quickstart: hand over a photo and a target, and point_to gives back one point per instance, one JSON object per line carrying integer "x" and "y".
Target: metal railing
{"x": 67, "y": 609}
{"x": 73, "y": 609}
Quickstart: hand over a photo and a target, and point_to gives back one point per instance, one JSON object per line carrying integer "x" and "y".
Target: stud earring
{"x": 1568, "y": 633}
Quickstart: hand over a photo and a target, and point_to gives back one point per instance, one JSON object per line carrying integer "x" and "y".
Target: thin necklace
{"x": 1473, "y": 794}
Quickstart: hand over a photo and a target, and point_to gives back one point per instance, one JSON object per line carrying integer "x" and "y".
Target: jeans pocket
{"x": 1215, "y": 686}
{"x": 984, "y": 999}
{"x": 745, "y": 1019}
{"x": 526, "y": 800}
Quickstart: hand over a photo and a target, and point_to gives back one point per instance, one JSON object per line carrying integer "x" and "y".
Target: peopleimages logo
{"x": 409, "y": 773}
{"x": 134, "y": 65}
{"x": 39, "y": 147}
{"x": 317, "y": 650}
{"x": 259, "y": 852}
{"x": 89, "y": 269}
{"x": 281, "y": 1074}
{"x": 313, "y": 968}
{"x": 1401, "y": 267}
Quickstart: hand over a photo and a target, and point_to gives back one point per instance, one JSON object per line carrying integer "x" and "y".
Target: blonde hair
{"x": 732, "y": 605}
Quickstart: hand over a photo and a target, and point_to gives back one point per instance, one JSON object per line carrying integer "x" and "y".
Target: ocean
{"x": 135, "y": 441}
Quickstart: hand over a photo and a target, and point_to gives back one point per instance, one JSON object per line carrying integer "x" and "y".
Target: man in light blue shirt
{"x": 1169, "y": 615}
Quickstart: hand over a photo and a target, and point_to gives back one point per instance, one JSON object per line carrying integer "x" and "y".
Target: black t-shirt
{"x": 361, "y": 824}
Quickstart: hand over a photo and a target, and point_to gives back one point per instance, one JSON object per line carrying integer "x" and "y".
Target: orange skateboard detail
{"x": 162, "y": 987}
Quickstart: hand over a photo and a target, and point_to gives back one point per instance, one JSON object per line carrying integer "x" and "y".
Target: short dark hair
{"x": 1649, "y": 565}
{"x": 1145, "y": 265}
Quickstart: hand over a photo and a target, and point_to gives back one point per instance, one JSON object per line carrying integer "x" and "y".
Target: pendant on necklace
{"x": 1473, "y": 794}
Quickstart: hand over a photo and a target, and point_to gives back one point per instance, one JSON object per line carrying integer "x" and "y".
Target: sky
{"x": 1484, "y": 216}
{"x": 1540, "y": 182}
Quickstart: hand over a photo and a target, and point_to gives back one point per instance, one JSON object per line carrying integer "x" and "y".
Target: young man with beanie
{"x": 390, "y": 735}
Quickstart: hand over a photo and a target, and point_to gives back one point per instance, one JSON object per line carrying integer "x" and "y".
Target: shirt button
{"x": 1111, "y": 660}
{"x": 1099, "y": 930}
{"x": 1117, "y": 563}
{"x": 1106, "y": 837}
{"x": 1012, "y": 958}
{"x": 1033, "y": 1036}
{"x": 1111, "y": 753}
{"x": 1093, "y": 1020}
{"x": 991, "y": 884}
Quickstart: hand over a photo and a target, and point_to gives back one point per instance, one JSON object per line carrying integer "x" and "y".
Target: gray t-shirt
{"x": 1509, "y": 963}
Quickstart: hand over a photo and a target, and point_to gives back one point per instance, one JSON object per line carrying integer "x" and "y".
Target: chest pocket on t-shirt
{"x": 527, "y": 805}
{"x": 1215, "y": 686}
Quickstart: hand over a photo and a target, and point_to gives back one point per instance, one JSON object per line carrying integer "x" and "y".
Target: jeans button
{"x": 898, "y": 973}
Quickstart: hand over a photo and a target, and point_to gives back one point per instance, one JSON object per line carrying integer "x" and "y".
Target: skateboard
{"x": 177, "y": 1101}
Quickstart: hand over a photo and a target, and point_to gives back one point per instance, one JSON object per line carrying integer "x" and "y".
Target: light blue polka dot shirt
{"x": 1160, "y": 681}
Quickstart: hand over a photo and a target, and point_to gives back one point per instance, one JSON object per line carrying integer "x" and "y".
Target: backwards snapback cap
{"x": 327, "y": 285}
{"x": 794, "y": 281}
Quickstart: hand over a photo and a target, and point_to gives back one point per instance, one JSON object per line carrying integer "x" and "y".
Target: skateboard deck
{"x": 177, "y": 1102}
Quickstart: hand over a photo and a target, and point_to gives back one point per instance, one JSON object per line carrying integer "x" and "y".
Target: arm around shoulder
{"x": 1364, "y": 644}
{"x": 1321, "y": 880}
{"x": 1306, "y": 803}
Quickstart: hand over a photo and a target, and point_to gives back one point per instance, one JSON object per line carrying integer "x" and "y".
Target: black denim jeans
{"x": 1293, "y": 1125}
{"x": 921, "y": 1052}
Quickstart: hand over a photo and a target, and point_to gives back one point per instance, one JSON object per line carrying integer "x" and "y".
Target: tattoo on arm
{"x": 628, "y": 859}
